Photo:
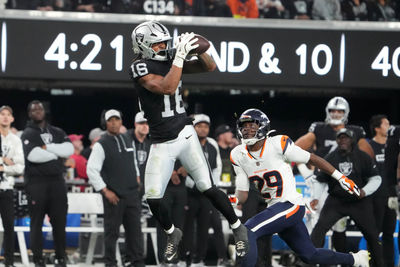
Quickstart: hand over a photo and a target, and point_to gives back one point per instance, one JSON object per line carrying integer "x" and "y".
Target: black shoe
{"x": 241, "y": 241}
{"x": 9, "y": 265}
{"x": 171, "y": 250}
{"x": 60, "y": 263}
{"x": 40, "y": 263}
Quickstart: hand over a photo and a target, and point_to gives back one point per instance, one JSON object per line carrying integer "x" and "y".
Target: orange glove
{"x": 349, "y": 185}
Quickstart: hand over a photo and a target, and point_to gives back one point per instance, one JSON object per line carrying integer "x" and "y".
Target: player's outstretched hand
{"x": 349, "y": 185}
{"x": 185, "y": 44}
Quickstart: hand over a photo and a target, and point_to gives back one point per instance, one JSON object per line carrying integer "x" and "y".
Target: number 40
{"x": 381, "y": 62}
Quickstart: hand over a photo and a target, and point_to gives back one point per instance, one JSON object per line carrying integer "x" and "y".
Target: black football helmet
{"x": 257, "y": 116}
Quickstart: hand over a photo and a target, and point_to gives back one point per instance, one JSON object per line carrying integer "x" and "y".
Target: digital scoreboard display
{"x": 101, "y": 51}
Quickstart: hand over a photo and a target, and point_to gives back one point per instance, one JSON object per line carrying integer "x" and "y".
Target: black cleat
{"x": 171, "y": 250}
{"x": 241, "y": 241}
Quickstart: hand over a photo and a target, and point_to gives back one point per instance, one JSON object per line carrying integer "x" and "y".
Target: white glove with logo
{"x": 185, "y": 44}
{"x": 393, "y": 203}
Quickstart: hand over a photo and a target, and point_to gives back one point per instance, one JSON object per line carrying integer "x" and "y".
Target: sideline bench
{"x": 81, "y": 203}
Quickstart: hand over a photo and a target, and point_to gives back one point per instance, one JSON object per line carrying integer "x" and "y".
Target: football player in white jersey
{"x": 266, "y": 161}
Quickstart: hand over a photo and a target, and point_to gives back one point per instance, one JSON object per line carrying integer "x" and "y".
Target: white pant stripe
{"x": 277, "y": 216}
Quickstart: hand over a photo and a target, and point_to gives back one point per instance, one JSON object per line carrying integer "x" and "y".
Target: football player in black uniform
{"x": 323, "y": 136}
{"x": 157, "y": 74}
{"x": 385, "y": 198}
{"x": 392, "y": 161}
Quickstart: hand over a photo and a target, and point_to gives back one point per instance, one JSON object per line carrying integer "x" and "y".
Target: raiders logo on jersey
{"x": 346, "y": 168}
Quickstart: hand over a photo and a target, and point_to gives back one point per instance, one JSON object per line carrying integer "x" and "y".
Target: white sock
{"x": 236, "y": 224}
{"x": 170, "y": 230}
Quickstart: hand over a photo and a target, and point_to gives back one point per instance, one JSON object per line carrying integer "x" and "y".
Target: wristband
{"x": 337, "y": 175}
{"x": 178, "y": 62}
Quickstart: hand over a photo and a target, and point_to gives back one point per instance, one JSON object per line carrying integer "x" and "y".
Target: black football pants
{"x": 128, "y": 213}
{"x": 386, "y": 223}
{"x": 7, "y": 216}
{"x": 47, "y": 198}
{"x": 361, "y": 212}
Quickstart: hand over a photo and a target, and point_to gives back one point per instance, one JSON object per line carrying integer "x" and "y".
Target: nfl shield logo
{"x": 346, "y": 168}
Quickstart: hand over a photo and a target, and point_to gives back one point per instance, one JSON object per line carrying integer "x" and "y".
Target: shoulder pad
{"x": 315, "y": 125}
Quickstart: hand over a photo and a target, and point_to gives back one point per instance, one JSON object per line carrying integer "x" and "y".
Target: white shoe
{"x": 361, "y": 258}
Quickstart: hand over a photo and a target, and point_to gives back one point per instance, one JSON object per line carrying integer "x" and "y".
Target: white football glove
{"x": 348, "y": 185}
{"x": 185, "y": 44}
{"x": 393, "y": 203}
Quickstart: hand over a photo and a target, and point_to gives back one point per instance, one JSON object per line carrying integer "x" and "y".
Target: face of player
{"x": 36, "y": 112}
{"x": 249, "y": 129}
{"x": 384, "y": 127}
{"x": 159, "y": 46}
{"x": 142, "y": 128}
{"x": 344, "y": 142}
{"x": 336, "y": 114}
{"x": 113, "y": 125}
{"x": 6, "y": 118}
{"x": 202, "y": 129}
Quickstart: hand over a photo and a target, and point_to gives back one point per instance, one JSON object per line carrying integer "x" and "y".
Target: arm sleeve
{"x": 39, "y": 155}
{"x": 218, "y": 170}
{"x": 18, "y": 159}
{"x": 63, "y": 150}
{"x": 135, "y": 159}
{"x": 189, "y": 182}
{"x": 293, "y": 153}
{"x": 372, "y": 185}
{"x": 94, "y": 166}
{"x": 242, "y": 182}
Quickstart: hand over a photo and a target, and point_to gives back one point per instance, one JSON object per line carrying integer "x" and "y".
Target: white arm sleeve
{"x": 242, "y": 182}
{"x": 218, "y": 170}
{"x": 294, "y": 153}
{"x": 39, "y": 155}
{"x": 135, "y": 159}
{"x": 94, "y": 166}
{"x": 63, "y": 150}
{"x": 18, "y": 159}
{"x": 189, "y": 182}
{"x": 372, "y": 185}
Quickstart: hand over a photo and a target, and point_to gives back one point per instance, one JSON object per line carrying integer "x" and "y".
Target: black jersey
{"x": 391, "y": 155}
{"x": 165, "y": 114}
{"x": 326, "y": 136}
{"x": 379, "y": 151}
{"x": 357, "y": 165}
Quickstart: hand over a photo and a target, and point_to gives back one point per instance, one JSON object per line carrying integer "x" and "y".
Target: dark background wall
{"x": 290, "y": 111}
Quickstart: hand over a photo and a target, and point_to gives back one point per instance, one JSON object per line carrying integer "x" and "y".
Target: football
{"x": 203, "y": 43}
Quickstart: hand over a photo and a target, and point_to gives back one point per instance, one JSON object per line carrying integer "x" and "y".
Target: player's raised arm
{"x": 204, "y": 63}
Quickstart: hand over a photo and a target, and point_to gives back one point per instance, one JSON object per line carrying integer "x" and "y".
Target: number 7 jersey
{"x": 270, "y": 169}
{"x": 165, "y": 114}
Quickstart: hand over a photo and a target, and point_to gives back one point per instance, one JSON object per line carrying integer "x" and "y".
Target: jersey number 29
{"x": 271, "y": 179}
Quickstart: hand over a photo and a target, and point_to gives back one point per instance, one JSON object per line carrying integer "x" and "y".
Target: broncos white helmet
{"x": 337, "y": 103}
{"x": 148, "y": 33}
